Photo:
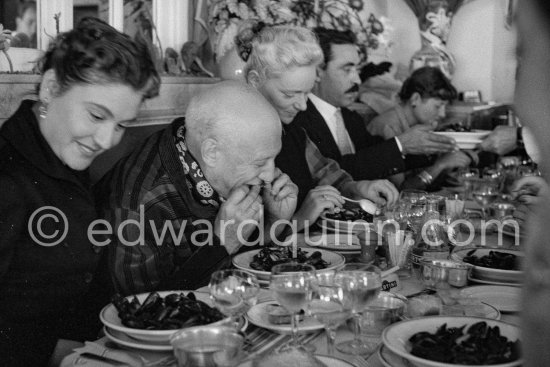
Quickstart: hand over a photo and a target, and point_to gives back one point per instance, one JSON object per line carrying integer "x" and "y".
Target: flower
{"x": 372, "y": 33}
{"x": 225, "y": 17}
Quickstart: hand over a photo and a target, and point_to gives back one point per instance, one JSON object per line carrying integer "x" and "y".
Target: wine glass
{"x": 413, "y": 202}
{"x": 484, "y": 192}
{"x": 361, "y": 283}
{"x": 292, "y": 286}
{"x": 494, "y": 174}
{"x": 234, "y": 292}
{"x": 330, "y": 305}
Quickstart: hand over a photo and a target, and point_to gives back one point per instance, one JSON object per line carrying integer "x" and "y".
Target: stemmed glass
{"x": 292, "y": 286}
{"x": 330, "y": 305}
{"x": 484, "y": 192}
{"x": 361, "y": 283}
{"x": 234, "y": 292}
{"x": 413, "y": 202}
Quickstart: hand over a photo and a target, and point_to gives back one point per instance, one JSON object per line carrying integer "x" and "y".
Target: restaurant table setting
{"x": 355, "y": 298}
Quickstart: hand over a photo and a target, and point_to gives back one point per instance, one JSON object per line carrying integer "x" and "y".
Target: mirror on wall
{"x": 20, "y": 16}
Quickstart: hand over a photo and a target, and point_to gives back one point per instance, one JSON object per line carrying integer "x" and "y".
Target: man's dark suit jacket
{"x": 374, "y": 157}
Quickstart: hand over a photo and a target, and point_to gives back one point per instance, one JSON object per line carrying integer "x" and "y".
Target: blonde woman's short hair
{"x": 280, "y": 48}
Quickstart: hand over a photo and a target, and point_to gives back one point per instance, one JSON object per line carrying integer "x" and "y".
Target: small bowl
{"x": 444, "y": 274}
{"x": 380, "y": 313}
{"x": 204, "y": 346}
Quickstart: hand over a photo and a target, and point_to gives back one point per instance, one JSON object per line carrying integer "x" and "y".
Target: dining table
{"x": 259, "y": 340}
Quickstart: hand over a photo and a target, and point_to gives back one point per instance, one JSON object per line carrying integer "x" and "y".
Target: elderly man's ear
{"x": 210, "y": 152}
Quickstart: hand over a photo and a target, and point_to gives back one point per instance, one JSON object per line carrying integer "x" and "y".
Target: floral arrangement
{"x": 434, "y": 16}
{"x": 225, "y": 16}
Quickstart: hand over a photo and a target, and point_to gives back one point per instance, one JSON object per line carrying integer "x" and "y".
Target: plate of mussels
{"x": 153, "y": 317}
{"x": 260, "y": 262}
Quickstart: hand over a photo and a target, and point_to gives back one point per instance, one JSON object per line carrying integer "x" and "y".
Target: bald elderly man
{"x": 179, "y": 205}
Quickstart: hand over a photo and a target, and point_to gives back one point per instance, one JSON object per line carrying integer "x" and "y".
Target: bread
{"x": 424, "y": 306}
{"x": 278, "y": 315}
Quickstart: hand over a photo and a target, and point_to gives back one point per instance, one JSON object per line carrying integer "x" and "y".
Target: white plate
{"x": 109, "y": 317}
{"x": 389, "y": 358}
{"x": 242, "y": 261}
{"x": 345, "y": 226}
{"x": 505, "y": 299}
{"x": 328, "y": 361}
{"x": 493, "y": 275}
{"x": 257, "y": 315}
{"x": 490, "y": 282}
{"x": 466, "y": 140}
{"x": 122, "y": 339}
{"x": 396, "y": 337}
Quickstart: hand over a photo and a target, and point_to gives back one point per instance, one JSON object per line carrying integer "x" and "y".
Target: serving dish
{"x": 123, "y": 339}
{"x": 466, "y": 140}
{"x": 242, "y": 261}
{"x": 396, "y": 337}
{"x": 109, "y": 317}
{"x": 490, "y": 274}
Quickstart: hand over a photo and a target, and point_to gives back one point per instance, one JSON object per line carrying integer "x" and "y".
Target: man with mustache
{"x": 340, "y": 133}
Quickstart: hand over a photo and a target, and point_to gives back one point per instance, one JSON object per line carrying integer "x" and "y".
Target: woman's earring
{"x": 43, "y": 110}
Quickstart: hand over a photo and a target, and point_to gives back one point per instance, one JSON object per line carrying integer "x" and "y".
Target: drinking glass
{"x": 361, "y": 284}
{"x": 494, "y": 174}
{"x": 234, "y": 292}
{"x": 465, "y": 175}
{"x": 413, "y": 202}
{"x": 330, "y": 305}
{"x": 484, "y": 192}
{"x": 292, "y": 286}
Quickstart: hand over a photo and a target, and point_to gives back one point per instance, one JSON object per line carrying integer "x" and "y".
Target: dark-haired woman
{"x": 423, "y": 96}
{"x": 94, "y": 80}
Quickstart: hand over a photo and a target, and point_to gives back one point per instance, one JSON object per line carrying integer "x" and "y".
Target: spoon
{"x": 365, "y": 204}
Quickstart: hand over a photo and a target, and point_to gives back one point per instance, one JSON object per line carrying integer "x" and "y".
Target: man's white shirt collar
{"x": 328, "y": 111}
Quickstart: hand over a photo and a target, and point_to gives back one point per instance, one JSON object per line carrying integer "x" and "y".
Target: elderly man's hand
{"x": 316, "y": 202}
{"x": 243, "y": 204}
{"x": 280, "y": 197}
{"x": 420, "y": 139}
{"x": 381, "y": 192}
{"x": 501, "y": 140}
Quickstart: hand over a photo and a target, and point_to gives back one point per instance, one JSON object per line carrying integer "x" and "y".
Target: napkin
{"x": 97, "y": 355}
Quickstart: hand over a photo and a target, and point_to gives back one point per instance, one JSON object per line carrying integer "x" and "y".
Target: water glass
{"x": 485, "y": 191}
{"x": 233, "y": 292}
{"x": 361, "y": 284}
{"x": 292, "y": 286}
{"x": 330, "y": 305}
